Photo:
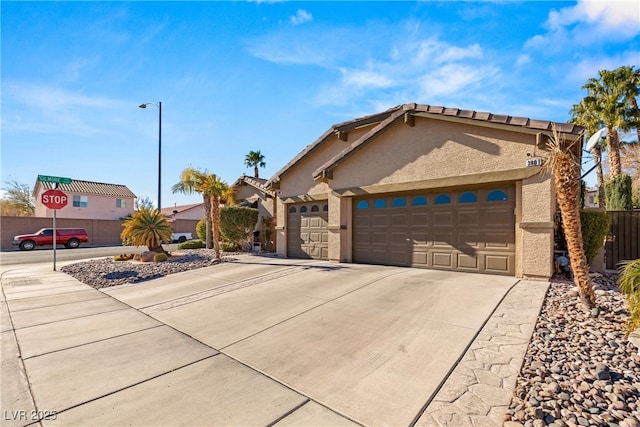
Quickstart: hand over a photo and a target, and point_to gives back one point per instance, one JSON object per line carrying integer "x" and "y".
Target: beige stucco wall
{"x": 433, "y": 153}
{"x": 433, "y": 149}
{"x": 536, "y": 228}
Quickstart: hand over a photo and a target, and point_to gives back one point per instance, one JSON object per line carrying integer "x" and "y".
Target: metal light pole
{"x": 159, "y": 105}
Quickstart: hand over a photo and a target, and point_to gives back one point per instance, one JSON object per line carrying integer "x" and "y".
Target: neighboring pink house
{"x": 193, "y": 211}
{"x": 87, "y": 200}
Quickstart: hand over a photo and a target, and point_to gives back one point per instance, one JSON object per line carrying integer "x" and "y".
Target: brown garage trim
{"x": 454, "y": 181}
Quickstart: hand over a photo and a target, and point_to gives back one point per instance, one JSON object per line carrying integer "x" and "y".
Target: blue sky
{"x": 273, "y": 76}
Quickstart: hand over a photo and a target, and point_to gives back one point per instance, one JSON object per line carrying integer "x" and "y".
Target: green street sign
{"x": 54, "y": 179}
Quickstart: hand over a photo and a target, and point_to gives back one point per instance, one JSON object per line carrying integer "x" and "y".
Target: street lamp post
{"x": 159, "y": 105}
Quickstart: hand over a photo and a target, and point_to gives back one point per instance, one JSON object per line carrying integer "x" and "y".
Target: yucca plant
{"x": 147, "y": 227}
{"x": 629, "y": 281}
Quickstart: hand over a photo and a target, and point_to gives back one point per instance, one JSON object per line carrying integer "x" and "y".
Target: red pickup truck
{"x": 69, "y": 237}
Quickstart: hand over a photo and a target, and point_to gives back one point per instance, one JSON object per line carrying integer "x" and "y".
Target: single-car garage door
{"x": 465, "y": 230}
{"x": 307, "y": 234}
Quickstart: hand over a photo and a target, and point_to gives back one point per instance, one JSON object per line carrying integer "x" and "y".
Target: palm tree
{"x": 254, "y": 159}
{"x": 564, "y": 163}
{"x": 217, "y": 191}
{"x": 609, "y": 100}
{"x": 631, "y": 79}
{"x": 193, "y": 181}
{"x": 147, "y": 227}
{"x": 583, "y": 116}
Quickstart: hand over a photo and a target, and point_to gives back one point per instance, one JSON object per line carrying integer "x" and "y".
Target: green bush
{"x": 201, "y": 229}
{"x": 160, "y": 257}
{"x": 228, "y": 247}
{"x": 238, "y": 223}
{"x": 619, "y": 194}
{"x": 595, "y": 227}
{"x": 123, "y": 257}
{"x": 629, "y": 281}
{"x": 192, "y": 244}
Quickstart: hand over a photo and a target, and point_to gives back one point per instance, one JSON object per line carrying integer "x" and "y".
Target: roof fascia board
{"x": 493, "y": 125}
{"x": 324, "y": 171}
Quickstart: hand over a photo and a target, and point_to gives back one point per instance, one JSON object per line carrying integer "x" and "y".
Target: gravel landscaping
{"x": 579, "y": 369}
{"x": 105, "y": 272}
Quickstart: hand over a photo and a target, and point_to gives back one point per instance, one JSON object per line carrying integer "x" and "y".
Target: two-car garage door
{"x": 468, "y": 230}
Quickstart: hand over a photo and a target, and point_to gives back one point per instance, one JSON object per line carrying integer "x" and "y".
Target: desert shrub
{"x": 123, "y": 257}
{"x": 595, "y": 226}
{"x": 147, "y": 227}
{"x": 201, "y": 229}
{"x": 629, "y": 281}
{"x": 192, "y": 244}
{"x": 619, "y": 194}
{"x": 160, "y": 257}
{"x": 228, "y": 247}
{"x": 238, "y": 223}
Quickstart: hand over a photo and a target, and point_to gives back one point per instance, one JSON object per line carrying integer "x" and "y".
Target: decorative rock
{"x": 579, "y": 370}
{"x": 105, "y": 272}
{"x": 602, "y": 371}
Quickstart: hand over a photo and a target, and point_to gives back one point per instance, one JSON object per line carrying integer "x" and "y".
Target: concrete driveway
{"x": 260, "y": 341}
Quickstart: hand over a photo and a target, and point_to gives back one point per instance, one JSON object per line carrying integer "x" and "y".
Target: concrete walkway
{"x": 265, "y": 341}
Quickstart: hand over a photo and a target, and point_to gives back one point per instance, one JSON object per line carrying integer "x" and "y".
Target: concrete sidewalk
{"x": 265, "y": 341}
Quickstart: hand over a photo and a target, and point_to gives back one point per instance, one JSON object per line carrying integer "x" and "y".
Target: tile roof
{"x": 180, "y": 208}
{"x": 89, "y": 187}
{"x": 393, "y": 115}
{"x": 257, "y": 183}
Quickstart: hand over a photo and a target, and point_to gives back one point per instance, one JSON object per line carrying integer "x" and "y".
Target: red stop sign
{"x": 54, "y": 199}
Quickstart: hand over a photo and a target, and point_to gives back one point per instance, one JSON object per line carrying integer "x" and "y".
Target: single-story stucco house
{"x": 252, "y": 192}
{"x": 424, "y": 186}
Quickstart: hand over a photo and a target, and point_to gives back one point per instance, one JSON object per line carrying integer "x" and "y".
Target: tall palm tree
{"x": 631, "y": 79}
{"x": 583, "y": 116}
{"x": 564, "y": 163}
{"x": 217, "y": 190}
{"x": 608, "y": 99}
{"x": 254, "y": 159}
{"x": 194, "y": 181}
{"x": 147, "y": 227}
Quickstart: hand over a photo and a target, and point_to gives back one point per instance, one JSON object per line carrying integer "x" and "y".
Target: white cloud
{"x": 589, "y": 22}
{"x": 365, "y": 78}
{"x": 437, "y": 52}
{"x": 301, "y": 17}
{"x": 454, "y": 79}
{"x": 523, "y": 60}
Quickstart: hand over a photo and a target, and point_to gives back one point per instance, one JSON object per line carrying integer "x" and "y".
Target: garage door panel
{"x": 442, "y": 219}
{"x": 399, "y": 219}
{"x": 380, "y": 220}
{"x": 419, "y": 219}
{"x": 442, "y": 238}
{"x": 442, "y": 259}
{"x": 498, "y": 263}
{"x": 499, "y": 240}
{"x": 499, "y": 218}
{"x": 468, "y": 219}
{"x": 419, "y": 237}
{"x": 468, "y": 262}
{"x": 469, "y": 239}
{"x": 419, "y": 258}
